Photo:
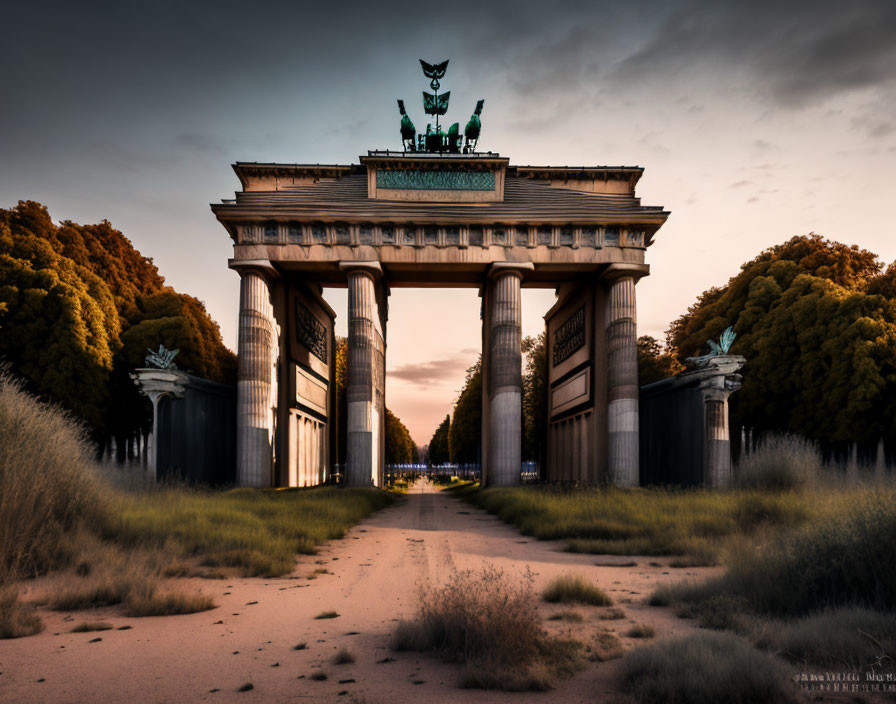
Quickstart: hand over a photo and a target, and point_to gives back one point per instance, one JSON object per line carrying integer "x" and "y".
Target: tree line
{"x": 79, "y": 305}
{"x": 458, "y": 439}
{"x": 816, "y": 321}
{"x": 400, "y": 447}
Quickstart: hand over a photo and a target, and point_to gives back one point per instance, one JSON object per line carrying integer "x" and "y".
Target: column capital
{"x": 620, "y": 270}
{"x": 263, "y": 267}
{"x": 516, "y": 268}
{"x": 372, "y": 268}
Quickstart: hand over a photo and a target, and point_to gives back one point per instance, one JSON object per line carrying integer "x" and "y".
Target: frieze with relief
{"x": 310, "y": 332}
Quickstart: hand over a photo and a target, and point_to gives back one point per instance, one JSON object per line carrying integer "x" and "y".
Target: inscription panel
{"x": 420, "y": 180}
{"x": 311, "y": 391}
{"x": 569, "y": 338}
{"x": 572, "y": 392}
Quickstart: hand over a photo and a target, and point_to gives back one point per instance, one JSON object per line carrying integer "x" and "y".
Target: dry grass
{"x": 46, "y": 486}
{"x": 640, "y": 630}
{"x": 17, "y": 618}
{"x": 490, "y": 624}
{"x": 780, "y": 463}
{"x": 845, "y": 561}
{"x": 58, "y": 511}
{"x": 857, "y": 640}
{"x": 783, "y": 488}
{"x": 611, "y": 614}
{"x": 259, "y": 532}
{"x": 568, "y": 616}
{"x": 605, "y": 646}
{"x": 90, "y": 626}
{"x": 706, "y": 668}
{"x": 572, "y": 589}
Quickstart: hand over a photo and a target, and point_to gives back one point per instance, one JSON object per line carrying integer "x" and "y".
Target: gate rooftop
{"x": 438, "y": 219}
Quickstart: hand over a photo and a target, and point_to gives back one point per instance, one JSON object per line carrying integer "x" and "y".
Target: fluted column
{"x": 716, "y": 442}
{"x": 365, "y": 386}
{"x": 622, "y": 383}
{"x": 504, "y": 375}
{"x": 257, "y": 351}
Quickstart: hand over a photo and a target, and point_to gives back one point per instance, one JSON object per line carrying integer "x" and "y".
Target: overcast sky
{"x": 755, "y": 121}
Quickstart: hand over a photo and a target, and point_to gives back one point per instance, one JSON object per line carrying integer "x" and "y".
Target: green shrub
{"x": 258, "y": 531}
{"x": 570, "y": 589}
{"x": 706, "y": 668}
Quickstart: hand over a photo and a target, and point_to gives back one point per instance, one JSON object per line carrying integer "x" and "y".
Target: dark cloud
{"x": 792, "y": 53}
{"x": 199, "y": 142}
{"x": 430, "y": 373}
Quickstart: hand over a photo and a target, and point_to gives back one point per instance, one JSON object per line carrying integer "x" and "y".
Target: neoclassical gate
{"x": 435, "y": 220}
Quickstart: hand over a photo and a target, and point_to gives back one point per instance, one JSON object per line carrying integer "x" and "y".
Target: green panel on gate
{"x": 419, "y": 180}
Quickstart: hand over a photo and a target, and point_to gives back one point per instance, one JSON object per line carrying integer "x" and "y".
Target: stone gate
{"x": 446, "y": 219}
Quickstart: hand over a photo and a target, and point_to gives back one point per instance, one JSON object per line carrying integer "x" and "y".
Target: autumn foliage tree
{"x": 816, "y": 321}
{"x": 78, "y": 308}
{"x": 654, "y": 362}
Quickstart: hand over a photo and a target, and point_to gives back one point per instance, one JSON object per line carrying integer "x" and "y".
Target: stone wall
{"x": 684, "y": 433}
{"x": 196, "y": 434}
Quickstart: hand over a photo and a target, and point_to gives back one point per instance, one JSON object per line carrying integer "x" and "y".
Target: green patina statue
{"x": 435, "y": 140}
{"x": 163, "y": 359}
{"x": 717, "y": 349}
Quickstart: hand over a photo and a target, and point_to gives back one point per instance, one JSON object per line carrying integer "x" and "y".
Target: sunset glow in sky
{"x": 754, "y": 121}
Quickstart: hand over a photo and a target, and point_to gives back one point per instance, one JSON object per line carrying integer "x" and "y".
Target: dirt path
{"x": 250, "y": 637}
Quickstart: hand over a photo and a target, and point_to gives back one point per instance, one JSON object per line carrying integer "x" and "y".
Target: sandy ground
{"x": 376, "y": 569}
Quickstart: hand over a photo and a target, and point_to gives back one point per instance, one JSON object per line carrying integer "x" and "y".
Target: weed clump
{"x": 605, "y": 646}
{"x": 843, "y": 562}
{"x": 855, "y": 639}
{"x": 569, "y": 589}
{"x": 780, "y": 463}
{"x": 640, "y": 630}
{"x": 490, "y": 624}
{"x": 706, "y": 667}
{"x": 17, "y": 618}
{"x": 46, "y": 487}
{"x": 89, "y": 626}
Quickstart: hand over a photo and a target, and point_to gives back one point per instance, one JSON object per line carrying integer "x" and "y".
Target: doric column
{"x": 256, "y": 387}
{"x": 365, "y": 386}
{"x": 622, "y": 382}
{"x": 502, "y": 415}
